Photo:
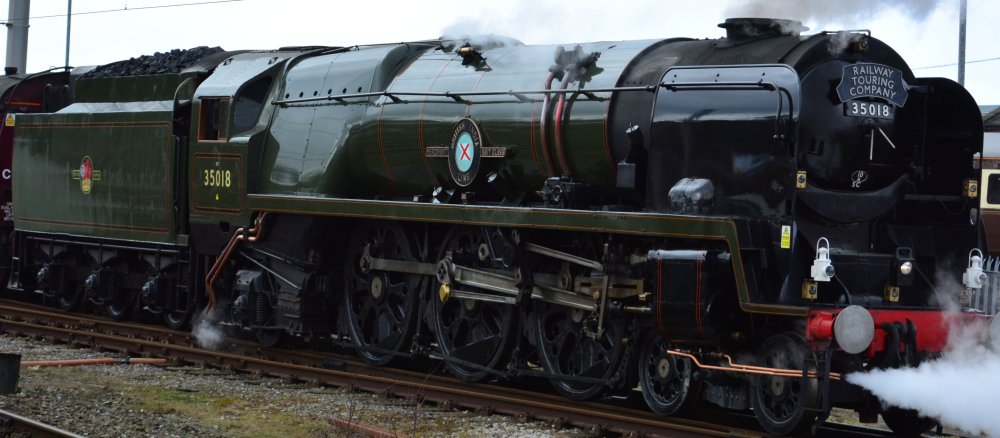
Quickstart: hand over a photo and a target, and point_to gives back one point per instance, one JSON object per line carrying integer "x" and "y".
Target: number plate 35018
{"x": 877, "y": 110}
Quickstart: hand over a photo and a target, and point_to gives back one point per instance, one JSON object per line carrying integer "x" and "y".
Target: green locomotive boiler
{"x": 609, "y": 215}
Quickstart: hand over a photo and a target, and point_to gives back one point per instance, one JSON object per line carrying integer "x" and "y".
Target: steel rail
{"x": 32, "y": 428}
{"x": 595, "y": 416}
{"x": 522, "y": 404}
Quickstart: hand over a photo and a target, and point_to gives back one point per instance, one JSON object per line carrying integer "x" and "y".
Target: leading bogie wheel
{"x": 475, "y": 337}
{"x": 666, "y": 380}
{"x": 380, "y": 306}
{"x": 784, "y": 405}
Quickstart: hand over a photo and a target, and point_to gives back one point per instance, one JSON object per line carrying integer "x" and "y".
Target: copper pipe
{"x": 544, "y": 122}
{"x": 729, "y": 360}
{"x": 251, "y": 235}
{"x": 105, "y": 361}
{"x": 558, "y": 121}
{"x": 749, "y": 369}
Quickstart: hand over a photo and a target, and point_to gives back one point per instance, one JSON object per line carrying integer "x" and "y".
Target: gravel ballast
{"x": 141, "y": 400}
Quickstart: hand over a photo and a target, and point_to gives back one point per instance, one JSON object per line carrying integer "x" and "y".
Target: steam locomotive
{"x": 739, "y": 221}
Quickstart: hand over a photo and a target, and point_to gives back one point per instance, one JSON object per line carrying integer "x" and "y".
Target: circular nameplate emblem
{"x": 464, "y": 152}
{"x": 86, "y": 174}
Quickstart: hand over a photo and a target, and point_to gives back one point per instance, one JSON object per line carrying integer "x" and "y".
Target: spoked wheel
{"x": 567, "y": 349}
{"x": 907, "y": 422}
{"x": 479, "y": 334}
{"x": 381, "y": 307}
{"x": 665, "y": 379}
{"x": 784, "y": 405}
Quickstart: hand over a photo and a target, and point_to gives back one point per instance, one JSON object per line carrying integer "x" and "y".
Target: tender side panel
{"x": 96, "y": 174}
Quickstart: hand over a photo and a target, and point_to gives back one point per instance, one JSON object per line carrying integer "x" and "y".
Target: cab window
{"x": 210, "y": 126}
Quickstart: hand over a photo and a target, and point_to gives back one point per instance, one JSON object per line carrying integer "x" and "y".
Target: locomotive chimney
{"x": 17, "y": 35}
{"x": 748, "y": 28}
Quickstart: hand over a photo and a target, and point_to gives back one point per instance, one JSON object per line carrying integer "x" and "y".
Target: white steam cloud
{"x": 960, "y": 389}
{"x": 206, "y": 331}
{"x": 826, "y": 11}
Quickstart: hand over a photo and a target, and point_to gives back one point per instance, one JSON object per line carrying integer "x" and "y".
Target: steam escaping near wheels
{"x": 959, "y": 389}
{"x": 206, "y": 330}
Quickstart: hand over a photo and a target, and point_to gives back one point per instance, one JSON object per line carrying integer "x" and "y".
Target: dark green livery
{"x": 606, "y": 215}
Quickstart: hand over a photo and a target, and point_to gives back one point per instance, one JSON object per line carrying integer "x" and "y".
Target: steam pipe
{"x": 749, "y": 369}
{"x": 543, "y": 122}
{"x": 560, "y": 109}
{"x": 251, "y": 235}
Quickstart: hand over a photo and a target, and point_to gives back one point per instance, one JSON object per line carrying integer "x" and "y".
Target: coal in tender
{"x": 158, "y": 63}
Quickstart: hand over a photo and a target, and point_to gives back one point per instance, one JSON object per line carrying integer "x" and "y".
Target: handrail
{"x": 457, "y": 95}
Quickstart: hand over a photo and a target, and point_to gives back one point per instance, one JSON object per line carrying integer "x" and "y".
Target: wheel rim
{"x": 270, "y": 338}
{"x": 380, "y": 306}
{"x": 175, "y": 320}
{"x": 565, "y": 350}
{"x": 68, "y": 294}
{"x": 784, "y": 405}
{"x": 664, "y": 378}
{"x": 177, "y": 315}
{"x": 68, "y": 297}
{"x": 121, "y": 306}
{"x": 476, "y": 332}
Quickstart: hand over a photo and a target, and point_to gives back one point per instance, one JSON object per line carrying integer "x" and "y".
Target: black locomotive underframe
{"x": 166, "y": 285}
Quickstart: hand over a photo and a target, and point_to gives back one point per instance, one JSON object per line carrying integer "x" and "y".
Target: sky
{"x": 924, "y": 32}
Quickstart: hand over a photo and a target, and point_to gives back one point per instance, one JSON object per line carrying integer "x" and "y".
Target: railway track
{"x": 12, "y": 424}
{"x": 324, "y": 368}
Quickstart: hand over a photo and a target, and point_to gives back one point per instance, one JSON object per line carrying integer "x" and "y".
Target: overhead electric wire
{"x": 126, "y": 9}
{"x": 955, "y": 63}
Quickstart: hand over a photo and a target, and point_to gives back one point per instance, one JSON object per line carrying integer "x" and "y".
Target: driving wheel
{"x": 474, "y": 336}
{"x": 582, "y": 362}
{"x": 380, "y": 306}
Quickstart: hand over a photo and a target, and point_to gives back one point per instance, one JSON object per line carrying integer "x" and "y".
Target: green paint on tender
{"x": 132, "y": 198}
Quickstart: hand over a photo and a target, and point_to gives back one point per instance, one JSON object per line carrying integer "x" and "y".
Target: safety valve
{"x": 822, "y": 268}
{"x": 974, "y": 277}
